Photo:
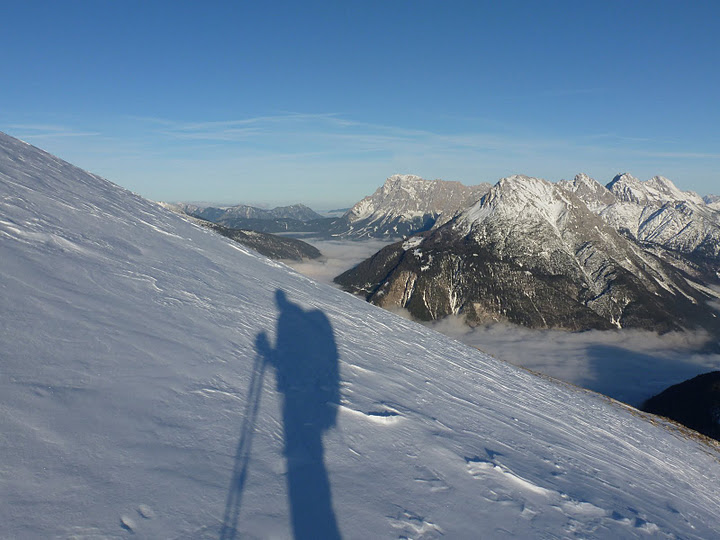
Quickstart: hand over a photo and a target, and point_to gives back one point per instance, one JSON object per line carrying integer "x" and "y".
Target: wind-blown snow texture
{"x": 136, "y": 397}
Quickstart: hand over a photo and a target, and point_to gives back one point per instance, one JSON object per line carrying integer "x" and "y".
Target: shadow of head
{"x": 281, "y": 298}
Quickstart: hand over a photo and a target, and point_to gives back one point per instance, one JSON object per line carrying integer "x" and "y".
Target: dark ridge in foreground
{"x": 694, "y": 403}
{"x": 273, "y": 247}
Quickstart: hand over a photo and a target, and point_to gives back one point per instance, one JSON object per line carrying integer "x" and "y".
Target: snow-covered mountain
{"x": 160, "y": 381}
{"x": 656, "y": 191}
{"x": 713, "y": 201}
{"x": 532, "y": 253}
{"x": 656, "y": 213}
{"x": 406, "y": 204}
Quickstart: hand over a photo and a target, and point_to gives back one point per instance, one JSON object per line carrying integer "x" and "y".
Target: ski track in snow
{"x": 128, "y": 356}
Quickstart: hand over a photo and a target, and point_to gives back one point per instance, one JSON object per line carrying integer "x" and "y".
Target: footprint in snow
{"x": 145, "y": 511}
{"x": 127, "y": 523}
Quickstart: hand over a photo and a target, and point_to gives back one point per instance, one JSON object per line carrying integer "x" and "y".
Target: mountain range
{"x": 403, "y": 205}
{"x": 406, "y": 204}
{"x": 161, "y": 381}
{"x": 296, "y": 217}
{"x": 271, "y": 245}
{"x": 656, "y": 213}
{"x": 572, "y": 255}
{"x": 567, "y": 255}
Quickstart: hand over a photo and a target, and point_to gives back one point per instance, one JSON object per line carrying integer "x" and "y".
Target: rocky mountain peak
{"x": 518, "y": 197}
{"x": 627, "y": 188}
{"x": 402, "y": 181}
{"x": 407, "y": 203}
{"x": 589, "y": 190}
{"x": 656, "y": 191}
{"x": 713, "y": 201}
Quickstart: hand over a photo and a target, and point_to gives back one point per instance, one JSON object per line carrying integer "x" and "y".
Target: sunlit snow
{"x": 160, "y": 381}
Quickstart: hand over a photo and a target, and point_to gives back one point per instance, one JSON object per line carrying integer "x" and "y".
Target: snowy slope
{"x": 130, "y": 340}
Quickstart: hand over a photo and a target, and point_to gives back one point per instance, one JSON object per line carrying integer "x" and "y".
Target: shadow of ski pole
{"x": 242, "y": 455}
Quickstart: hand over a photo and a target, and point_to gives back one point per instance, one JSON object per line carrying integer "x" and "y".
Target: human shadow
{"x": 305, "y": 361}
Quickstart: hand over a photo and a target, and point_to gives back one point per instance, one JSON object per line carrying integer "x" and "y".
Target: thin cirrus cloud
{"x": 332, "y": 131}
{"x": 163, "y": 157}
{"x": 46, "y": 131}
{"x": 328, "y": 133}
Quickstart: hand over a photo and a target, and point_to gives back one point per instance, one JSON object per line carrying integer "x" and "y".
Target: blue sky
{"x": 318, "y": 102}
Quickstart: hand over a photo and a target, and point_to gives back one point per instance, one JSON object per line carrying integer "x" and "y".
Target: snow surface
{"x": 138, "y": 397}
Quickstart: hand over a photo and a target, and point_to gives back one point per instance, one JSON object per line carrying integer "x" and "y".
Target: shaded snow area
{"x": 159, "y": 381}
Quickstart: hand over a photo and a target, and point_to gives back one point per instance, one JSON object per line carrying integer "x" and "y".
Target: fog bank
{"x": 628, "y": 365}
{"x": 338, "y": 256}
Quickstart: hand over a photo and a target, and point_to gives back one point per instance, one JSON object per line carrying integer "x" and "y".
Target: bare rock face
{"x": 694, "y": 403}
{"x": 532, "y": 253}
{"x": 406, "y": 204}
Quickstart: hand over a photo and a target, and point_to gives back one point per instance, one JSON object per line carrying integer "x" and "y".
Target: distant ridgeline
{"x": 295, "y": 218}
{"x": 404, "y": 205}
{"x": 270, "y": 245}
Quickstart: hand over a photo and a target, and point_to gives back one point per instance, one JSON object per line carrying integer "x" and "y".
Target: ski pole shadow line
{"x": 305, "y": 361}
{"x": 242, "y": 454}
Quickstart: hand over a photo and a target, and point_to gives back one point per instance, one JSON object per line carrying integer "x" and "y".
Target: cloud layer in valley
{"x": 628, "y": 365}
{"x": 338, "y": 256}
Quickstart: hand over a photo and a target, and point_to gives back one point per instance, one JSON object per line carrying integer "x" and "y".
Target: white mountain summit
{"x": 656, "y": 191}
{"x": 405, "y": 204}
{"x": 655, "y": 212}
{"x": 161, "y": 381}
